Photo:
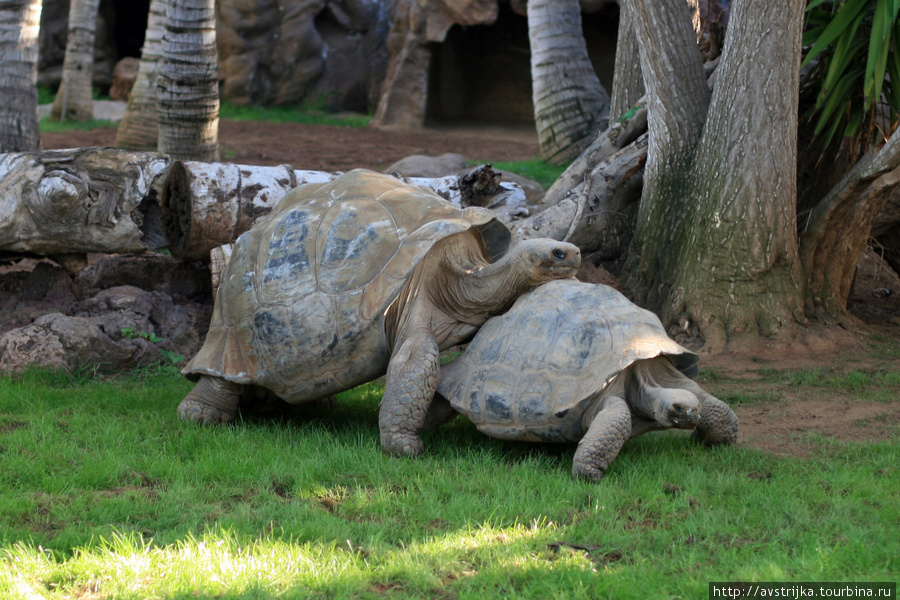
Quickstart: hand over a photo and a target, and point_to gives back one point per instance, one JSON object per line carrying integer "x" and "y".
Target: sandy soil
{"x": 790, "y": 420}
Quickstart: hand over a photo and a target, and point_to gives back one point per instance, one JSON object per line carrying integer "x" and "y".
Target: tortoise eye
{"x": 560, "y": 254}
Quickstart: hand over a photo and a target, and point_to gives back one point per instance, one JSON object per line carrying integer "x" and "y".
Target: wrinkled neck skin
{"x": 454, "y": 290}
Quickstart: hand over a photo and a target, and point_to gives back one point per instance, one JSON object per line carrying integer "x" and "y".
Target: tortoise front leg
{"x": 718, "y": 423}
{"x": 213, "y": 400}
{"x": 412, "y": 378}
{"x": 605, "y": 436}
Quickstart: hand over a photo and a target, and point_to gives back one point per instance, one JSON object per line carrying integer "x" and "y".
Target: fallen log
{"x": 81, "y": 200}
{"x": 206, "y": 205}
{"x": 109, "y": 200}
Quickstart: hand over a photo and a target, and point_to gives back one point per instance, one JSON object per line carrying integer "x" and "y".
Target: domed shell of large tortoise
{"x": 301, "y": 307}
{"x": 530, "y": 373}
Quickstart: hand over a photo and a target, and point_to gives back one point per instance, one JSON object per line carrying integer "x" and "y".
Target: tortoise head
{"x": 543, "y": 260}
{"x": 655, "y": 392}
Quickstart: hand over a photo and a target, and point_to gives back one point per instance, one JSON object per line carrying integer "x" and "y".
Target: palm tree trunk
{"x": 570, "y": 104}
{"x": 138, "y": 129}
{"x": 74, "y": 100}
{"x": 19, "y": 26}
{"x": 187, "y": 83}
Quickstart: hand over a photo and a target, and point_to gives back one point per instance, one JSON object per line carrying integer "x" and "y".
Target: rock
{"x": 534, "y": 192}
{"x": 30, "y": 287}
{"x": 57, "y": 341}
{"x": 327, "y": 51}
{"x": 419, "y": 165}
{"x": 94, "y": 313}
{"x": 124, "y": 74}
{"x": 149, "y": 271}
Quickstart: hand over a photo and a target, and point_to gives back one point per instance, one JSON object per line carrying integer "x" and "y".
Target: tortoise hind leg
{"x": 605, "y": 436}
{"x": 213, "y": 400}
{"x": 412, "y": 379}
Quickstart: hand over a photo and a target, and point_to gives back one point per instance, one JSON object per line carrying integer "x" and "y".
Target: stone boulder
{"x": 101, "y": 312}
{"x": 419, "y": 165}
{"x": 58, "y": 341}
{"x": 331, "y": 52}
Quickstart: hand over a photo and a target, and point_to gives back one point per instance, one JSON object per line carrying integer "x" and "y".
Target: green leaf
{"x": 853, "y": 124}
{"x": 876, "y": 48}
{"x": 844, "y": 19}
{"x": 845, "y": 52}
{"x": 836, "y": 99}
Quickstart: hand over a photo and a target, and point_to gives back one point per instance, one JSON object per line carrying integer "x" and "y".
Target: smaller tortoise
{"x": 346, "y": 281}
{"x": 576, "y": 362}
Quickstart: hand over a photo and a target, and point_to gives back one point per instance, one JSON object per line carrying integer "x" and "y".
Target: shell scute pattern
{"x": 300, "y": 310}
{"x": 530, "y": 373}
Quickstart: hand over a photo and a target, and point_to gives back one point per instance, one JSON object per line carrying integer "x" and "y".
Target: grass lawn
{"x": 105, "y": 494}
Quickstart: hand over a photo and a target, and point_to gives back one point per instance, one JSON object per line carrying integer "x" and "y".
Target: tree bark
{"x": 19, "y": 26}
{"x": 74, "y": 100}
{"x": 628, "y": 81}
{"x": 715, "y": 249}
{"x": 187, "y": 82}
{"x": 678, "y": 98}
{"x": 138, "y": 129}
{"x": 81, "y": 200}
{"x": 838, "y": 228}
{"x": 111, "y": 200}
{"x": 570, "y": 105}
{"x": 739, "y": 274}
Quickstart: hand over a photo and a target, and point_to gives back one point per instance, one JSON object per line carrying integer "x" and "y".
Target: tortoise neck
{"x": 454, "y": 290}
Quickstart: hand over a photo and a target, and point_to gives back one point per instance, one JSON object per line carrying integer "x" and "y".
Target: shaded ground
{"x": 839, "y": 367}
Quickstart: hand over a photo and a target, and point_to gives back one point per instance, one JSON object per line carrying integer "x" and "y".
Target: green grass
{"x": 869, "y": 386}
{"x": 306, "y": 114}
{"x": 105, "y": 494}
{"x": 49, "y": 126}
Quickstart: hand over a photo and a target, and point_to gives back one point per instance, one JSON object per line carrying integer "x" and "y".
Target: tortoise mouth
{"x": 682, "y": 416}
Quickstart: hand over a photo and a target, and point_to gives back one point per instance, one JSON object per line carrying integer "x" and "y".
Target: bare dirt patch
{"x": 326, "y": 148}
{"x": 781, "y": 418}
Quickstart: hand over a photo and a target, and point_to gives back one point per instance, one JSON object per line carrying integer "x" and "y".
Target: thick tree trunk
{"x": 739, "y": 274}
{"x": 838, "y": 228}
{"x": 19, "y": 26}
{"x": 138, "y": 129}
{"x": 628, "y": 81}
{"x": 74, "y": 100}
{"x": 188, "y": 92}
{"x": 678, "y": 98}
{"x": 570, "y": 105}
{"x": 716, "y": 250}
{"x": 81, "y": 200}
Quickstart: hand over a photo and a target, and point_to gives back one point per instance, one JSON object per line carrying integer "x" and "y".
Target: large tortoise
{"x": 576, "y": 362}
{"x": 348, "y": 280}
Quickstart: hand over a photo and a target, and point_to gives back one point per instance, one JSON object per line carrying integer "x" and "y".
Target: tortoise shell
{"x": 530, "y": 373}
{"x": 301, "y": 307}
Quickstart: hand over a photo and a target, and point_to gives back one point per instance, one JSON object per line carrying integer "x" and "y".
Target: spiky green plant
{"x": 854, "y": 54}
